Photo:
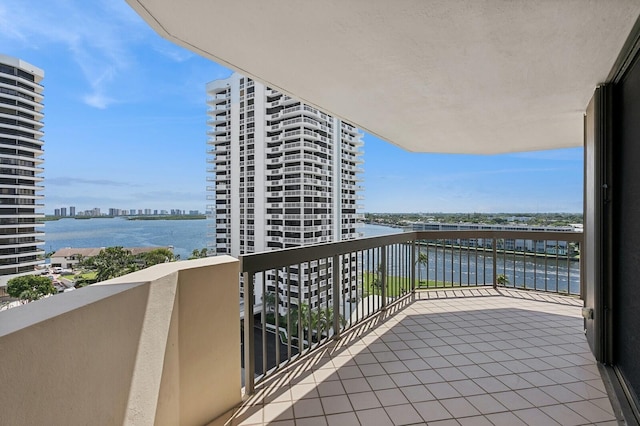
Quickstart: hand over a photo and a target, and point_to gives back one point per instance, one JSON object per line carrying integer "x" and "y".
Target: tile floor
{"x": 451, "y": 357}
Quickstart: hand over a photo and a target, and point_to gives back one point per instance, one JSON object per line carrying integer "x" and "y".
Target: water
{"x": 183, "y": 235}
{"x": 466, "y": 267}
{"x": 187, "y": 235}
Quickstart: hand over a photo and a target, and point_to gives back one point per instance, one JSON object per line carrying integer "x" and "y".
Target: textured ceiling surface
{"x": 458, "y": 76}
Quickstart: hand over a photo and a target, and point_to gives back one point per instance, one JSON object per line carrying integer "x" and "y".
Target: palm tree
{"x": 269, "y": 301}
{"x": 422, "y": 260}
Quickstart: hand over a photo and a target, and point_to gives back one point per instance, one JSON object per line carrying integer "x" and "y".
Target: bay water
{"x": 187, "y": 235}
{"x": 183, "y": 235}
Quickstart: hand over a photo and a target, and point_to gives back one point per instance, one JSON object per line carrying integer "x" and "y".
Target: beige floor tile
{"x": 331, "y": 388}
{"x": 536, "y": 397}
{"x": 381, "y": 382}
{"x": 585, "y": 390}
{"x": 376, "y": 416}
{"x": 514, "y": 381}
{"x": 283, "y": 423}
{"x": 473, "y": 371}
{"x": 394, "y": 367}
{"x": 364, "y": 400}
{"x": 451, "y": 373}
{"x": 443, "y": 390}
{"x": 590, "y": 411}
{"x": 486, "y": 404}
{"x": 336, "y": 404}
{"x": 369, "y": 370}
{"x": 308, "y": 408}
{"x": 403, "y": 414}
{"x": 356, "y": 385}
{"x": 491, "y": 384}
{"x": 390, "y": 397}
{"x": 312, "y": 421}
{"x": 563, "y": 415}
{"x": 459, "y": 407}
{"x": 277, "y": 411}
{"x": 342, "y": 419}
{"x": 467, "y": 387}
{"x": 505, "y": 419}
{"x": 533, "y": 416}
{"x": 432, "y": 411}
{"x": 417, "y": 393}
{"x": 512, "y": 400}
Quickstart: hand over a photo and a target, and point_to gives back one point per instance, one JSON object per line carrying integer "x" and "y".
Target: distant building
{"x": 56, "y": 212}
{"x": 548, "y": 247}
{"x": 63, "y": 211}
{"x": 194, "y": 212}
{"x": 286, "y": 174}
{"x": 72, "y": 211}
{"x": 147, "y": 212}
{"x": 21, "y": 104}
{"x": 155, "y": 212}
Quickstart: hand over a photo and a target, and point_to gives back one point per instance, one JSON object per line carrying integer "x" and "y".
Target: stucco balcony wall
{"x": 145, "y": 348}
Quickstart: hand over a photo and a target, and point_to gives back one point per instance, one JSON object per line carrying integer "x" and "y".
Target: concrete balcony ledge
{"x": 159, "y": 346}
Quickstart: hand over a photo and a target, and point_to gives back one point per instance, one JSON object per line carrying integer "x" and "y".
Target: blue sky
{"x": 125, "y": 126}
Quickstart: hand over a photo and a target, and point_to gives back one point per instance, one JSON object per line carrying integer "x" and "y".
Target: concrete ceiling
{"x": 457, "y": 76}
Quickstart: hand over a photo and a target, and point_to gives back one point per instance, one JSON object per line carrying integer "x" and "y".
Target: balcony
{"x": 473, "y": 356}
{"x": 475, "y": 331}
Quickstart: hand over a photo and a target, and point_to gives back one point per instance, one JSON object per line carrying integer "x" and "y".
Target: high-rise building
{"x": 72, "y": 211}
{"x": 20, "y": 152}
{"x": 285, "y": 174}
{"x": 63, "y": 211}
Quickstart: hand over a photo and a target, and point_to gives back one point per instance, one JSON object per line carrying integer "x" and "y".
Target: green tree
{"x": 318, "y": 320}
{"x": 112, "y": 262}
{"x": 154, "y": 257}
{"x": 199, "y": 254}
{"x": 502, "y": 279}
{"x": 30, "y": 287}
{"x": 269, "y": 301}
{"x": 377, "y": 279}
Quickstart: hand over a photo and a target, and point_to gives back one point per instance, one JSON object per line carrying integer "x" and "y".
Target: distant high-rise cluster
{"x": 21, "y": 105}
{"x": 95, "y": 212}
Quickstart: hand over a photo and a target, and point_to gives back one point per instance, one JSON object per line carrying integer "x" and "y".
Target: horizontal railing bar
{"x": 281, "y": 258}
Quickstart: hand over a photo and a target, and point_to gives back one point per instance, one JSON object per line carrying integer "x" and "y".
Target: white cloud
{"x": 102, "y": 48}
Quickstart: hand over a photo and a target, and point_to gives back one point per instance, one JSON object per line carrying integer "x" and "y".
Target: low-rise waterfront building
{"x": 69, "y": 257}
{"x": 525, "y": 245}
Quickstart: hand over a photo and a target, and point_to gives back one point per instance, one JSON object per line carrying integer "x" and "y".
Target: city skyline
{"x": 71, "y": 211}
{"x": 126, "y": 116}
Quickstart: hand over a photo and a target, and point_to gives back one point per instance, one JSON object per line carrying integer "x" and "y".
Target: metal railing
{"x": 305, "y": 296}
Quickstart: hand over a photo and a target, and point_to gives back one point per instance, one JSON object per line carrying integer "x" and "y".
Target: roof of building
{"x": 90, "y": 252}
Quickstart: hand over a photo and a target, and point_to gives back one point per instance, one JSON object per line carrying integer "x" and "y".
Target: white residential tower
{"x": 283, "y": 174}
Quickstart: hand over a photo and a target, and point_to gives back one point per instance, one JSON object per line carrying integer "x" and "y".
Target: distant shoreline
{"x": 159, "y": 217}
